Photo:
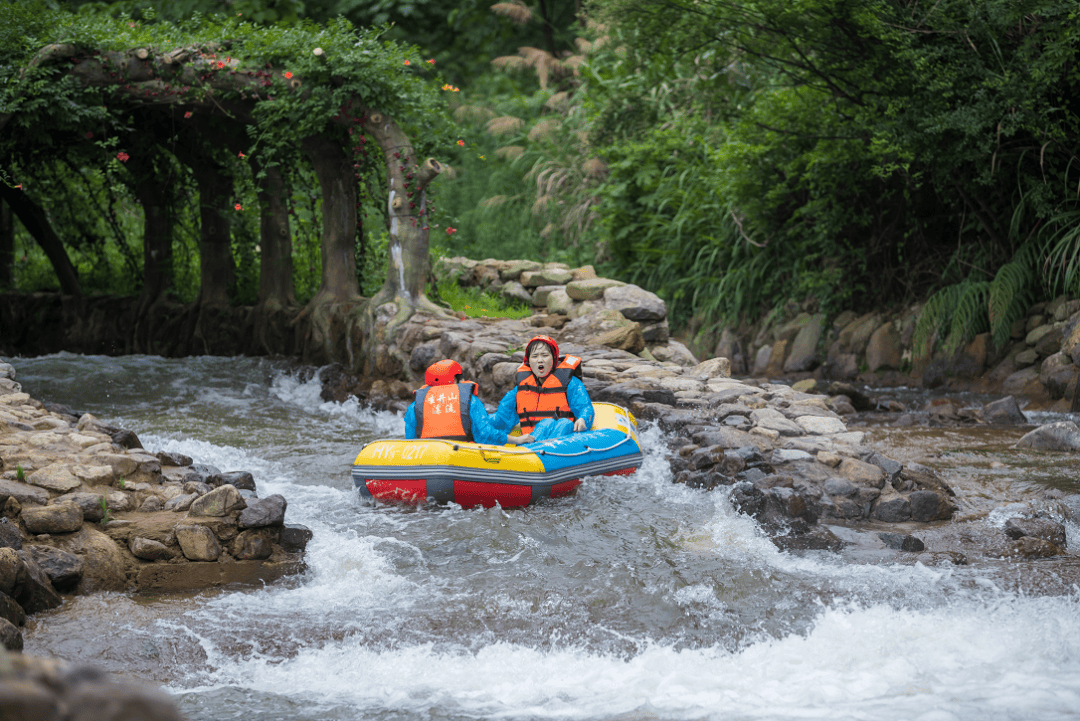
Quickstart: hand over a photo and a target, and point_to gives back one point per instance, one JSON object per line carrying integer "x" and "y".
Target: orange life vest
{"x": 548, "y": 399}
{"x": 443, "y": 411}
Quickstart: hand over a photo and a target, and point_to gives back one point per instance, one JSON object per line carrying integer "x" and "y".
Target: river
{"x": 631, "y": 599}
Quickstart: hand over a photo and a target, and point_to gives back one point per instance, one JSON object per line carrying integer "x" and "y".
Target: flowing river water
{"x": 632, "y": 599}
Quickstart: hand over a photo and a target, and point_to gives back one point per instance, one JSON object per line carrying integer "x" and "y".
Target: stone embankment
{"x": 1041, "y": 362}
{"x": 84, "y": 508}
{"x": 785, "y": 455}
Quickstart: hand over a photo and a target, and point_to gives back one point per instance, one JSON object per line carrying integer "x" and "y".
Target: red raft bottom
{"x": 470, "y": 493}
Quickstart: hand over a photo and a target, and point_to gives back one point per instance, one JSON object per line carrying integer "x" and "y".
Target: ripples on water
{"x": 633, "y": 598}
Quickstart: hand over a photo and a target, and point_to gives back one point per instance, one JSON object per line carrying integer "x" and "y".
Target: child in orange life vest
{"x": 449, "y": 408}
{"x": 549, "y": 399}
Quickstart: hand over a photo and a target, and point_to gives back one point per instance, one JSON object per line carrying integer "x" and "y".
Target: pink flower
{"x": 432, "y": 61}
{"x": 451, "y": 231}
{"x": 19, "y": 187}
{"x": 122, "y": 156}
{"x": 240, "y": 155}
{"x": 238, "y": 207}
{"x": 461, "y": 143}
{"x": 187, "y": 115}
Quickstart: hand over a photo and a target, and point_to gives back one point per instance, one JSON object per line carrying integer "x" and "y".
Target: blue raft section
{"x": 471, "y": 474}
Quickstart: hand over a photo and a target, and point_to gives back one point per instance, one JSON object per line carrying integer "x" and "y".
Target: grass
{"x": 476, "y": 303}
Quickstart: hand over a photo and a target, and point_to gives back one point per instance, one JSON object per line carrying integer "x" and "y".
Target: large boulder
{"x": 59, "y": 518}
{"x": 104, "y": 565}
{"x": 635, "y": 303}
{"x": 1058, "y": 436}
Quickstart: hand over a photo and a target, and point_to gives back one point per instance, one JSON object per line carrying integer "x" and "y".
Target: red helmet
{"x": 543, "y": 339}
{"x": 442, "y": 373}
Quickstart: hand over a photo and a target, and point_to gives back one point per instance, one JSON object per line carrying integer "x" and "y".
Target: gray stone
{"x": 1004, "y": 411}
{"x": 10, "y": 535}
{"x": 90, "y": 503}
{"x": 1059, "y": 436}
{"x": 635, "y": 303}
{"x": 240, "y": 480}
{"x": 11, "y": 610}
{"x": 198, "y": 543}
{"x": 545, "y": 276}
{"x": 540, "y": 295}
{"x": 55, "y": 477}
{"x": 217, "y": 502}
{"x": 64, "y": 569}
{"x": 516, "y": 292}
{"x": 11, "y": 639}
{"x": 26, "y": 495}
{"x": 884, "y": 351}
{"x": 774, "y": 420}
{"x": 148, "y": 549}
{"x": 862, "y": 473}
{"x": 839, "y": 487}
{"x": 254, "y": 544}
{"x": 902, "y": 542}
{"x": 803, "y": 355}
{"x": 891, "y": 507}
{"x": 295, "y": 537}
{"x": 269, "y": 511}
{"x": 33, "y": 590}
{"x": 591, "y": 289}
{"x": 181, "y": 503}
{"x": 61, "y": 518}
{"x": 927, "y": 506}
{"x": 1044, "y": 528}
{"x": 559, "y": 302}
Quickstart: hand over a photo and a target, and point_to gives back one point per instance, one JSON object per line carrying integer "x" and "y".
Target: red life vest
{"x": 535, "y": 402}
{"x": 443, "y": 411}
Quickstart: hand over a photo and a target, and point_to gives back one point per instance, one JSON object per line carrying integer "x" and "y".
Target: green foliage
{"x": 476, "y": 303}
{"x": 106, "y": 514}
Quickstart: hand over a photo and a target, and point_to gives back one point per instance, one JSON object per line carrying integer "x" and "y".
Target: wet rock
{"x": 11, "y": 639}
{"x": 10, "y": 536}
{"x": 1044, "y": 528}
{"x": 9, "y": 570}
{"x": 103, "y": 561}
{"x": 1004, "y": 412}
{"x": 173, "y": 459}
{"x": 240, "y": 480}
{"x": 295, "y": 537}
{"x": 891, "y": 507}
{"x": 64, "y": 569}
{"x": 126, "y": 439}
{"x": 1059, "y": 436}
{"x": 11, "y": 611}
{"x": 198, "y": 543}
{"x": 269, "y": 511}
{"x": 891, "y": 468}
{"x": 149, "y": 550}
{"x": 922, "y": 477}
{"x": 254, "y": 544}
{"x": 929, "y": 506}
{"x": 33, "y": 590}
{"x": 181, "y": 503}
{"x": 901, "y": 542}
{"x": 1028, "y": 547}
{"x": 61, "y": 518}
{"x": 217, "y": 502}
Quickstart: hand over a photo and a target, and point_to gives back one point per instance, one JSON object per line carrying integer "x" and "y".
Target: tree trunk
{"x": 276, "y": 289}
{"x": 216, "y": 267}
{"x": 7, "y": 248}
{"x": 408, "y": 265}
{"x": 338, "y": 183}
{"x": 155, "y": 193}
{"x": 35, "y": 220}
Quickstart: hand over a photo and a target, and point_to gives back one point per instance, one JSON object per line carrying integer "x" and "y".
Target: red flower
{"x": 432, "y": 61}
{"x": 288, "y": 74}
{"x": 406, "y": 62}
{"x": 220, "y": 65}
{"x": 187, "y": 115}
{"x": 238, "y": 207}
{"x": 240, "y": 155}
{"x": 19, "y": 187}
{"x": 451, "y": 231}
{"x": 461, "y": 143}
{"x": 122, "y": 156}
{"x": 89, "y": 135}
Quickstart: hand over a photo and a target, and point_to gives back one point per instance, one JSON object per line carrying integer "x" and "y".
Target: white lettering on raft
{"x": 388, "y": 452}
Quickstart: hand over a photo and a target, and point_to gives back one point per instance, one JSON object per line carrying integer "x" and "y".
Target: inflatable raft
{"x": 476, "y": 474}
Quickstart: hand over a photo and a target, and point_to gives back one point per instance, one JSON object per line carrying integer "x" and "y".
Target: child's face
{"x": 540, "y": 360}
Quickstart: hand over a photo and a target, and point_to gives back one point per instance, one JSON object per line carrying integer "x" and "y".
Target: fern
{"x": 1012, "y": 292}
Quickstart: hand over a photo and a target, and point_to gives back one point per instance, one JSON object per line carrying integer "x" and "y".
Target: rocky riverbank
{"x": 85, "y": 508}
